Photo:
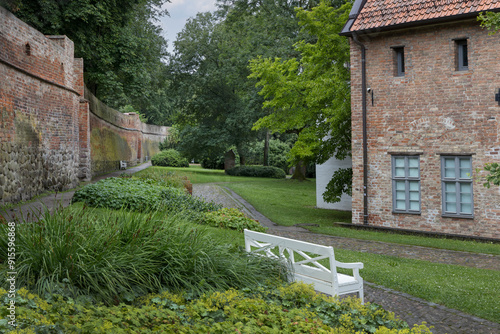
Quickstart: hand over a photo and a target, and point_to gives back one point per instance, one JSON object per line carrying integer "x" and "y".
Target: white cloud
{"x": 180, "y": 11}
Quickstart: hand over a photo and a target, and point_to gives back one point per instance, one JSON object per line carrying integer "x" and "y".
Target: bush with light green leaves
{"x": 293, "y": 308}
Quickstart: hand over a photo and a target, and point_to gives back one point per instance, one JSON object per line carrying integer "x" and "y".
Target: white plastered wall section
{"x": 324, "y": 173}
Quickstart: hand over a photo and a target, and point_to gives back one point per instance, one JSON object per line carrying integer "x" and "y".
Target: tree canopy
{"x": 210, "y": 71}
{"x": 310, "y": 95}
{"x": 250, "y": 69}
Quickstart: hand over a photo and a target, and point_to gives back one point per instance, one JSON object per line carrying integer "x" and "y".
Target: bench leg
{"x": 361, "y": 296}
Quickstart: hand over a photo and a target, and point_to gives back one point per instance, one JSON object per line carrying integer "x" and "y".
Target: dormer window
{"x": 399, "y": 61}
{"x": 462, "y": 57}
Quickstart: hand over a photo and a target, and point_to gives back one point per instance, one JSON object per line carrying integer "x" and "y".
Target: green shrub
{"x": 231, "y": 219}
{"x": 169, "y": 158}
{"x": 139, "y": 195}
{"x": 213, "y": 163}
{"x": 257, "y": 171}
{"x": 278, "y": 154}
{"x": 167, "y": 178}
{"x": 113, "y": 256}
{"x": 231, "y": 311}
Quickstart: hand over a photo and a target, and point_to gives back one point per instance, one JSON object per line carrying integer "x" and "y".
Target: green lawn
{"x": 474, "y": 291}
{"x": 289, "y": 202}
{"x": 196, "y": 174}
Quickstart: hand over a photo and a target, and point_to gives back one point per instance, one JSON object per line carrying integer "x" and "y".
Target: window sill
{"x": 407, "y": 212}
{"x": 462, "y": 72}
{"x": 458, "y": 216}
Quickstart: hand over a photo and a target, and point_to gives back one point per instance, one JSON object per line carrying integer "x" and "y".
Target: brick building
{"x": 424, "y": 79}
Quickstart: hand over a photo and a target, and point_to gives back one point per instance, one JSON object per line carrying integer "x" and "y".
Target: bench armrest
{"x": 353, "y": 265}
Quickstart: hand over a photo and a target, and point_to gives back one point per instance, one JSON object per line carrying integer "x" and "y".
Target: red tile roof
{"x": 387, "y": 13}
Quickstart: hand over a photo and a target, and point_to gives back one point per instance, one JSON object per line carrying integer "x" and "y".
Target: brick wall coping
{"x": 107, "y": 114}
{"x": 50, "y": 82}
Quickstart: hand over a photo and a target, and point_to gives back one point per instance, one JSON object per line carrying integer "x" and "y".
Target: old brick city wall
{"x": 51, "y": 133}
{"x": 433, "y": 110}
{"x": 119, "y": 137}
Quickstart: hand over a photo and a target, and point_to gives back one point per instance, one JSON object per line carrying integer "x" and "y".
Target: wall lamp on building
{"x": 370, "y": 91}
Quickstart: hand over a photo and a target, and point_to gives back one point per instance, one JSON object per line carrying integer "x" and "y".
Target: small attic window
{"x": 27, "y": 49}
{"x": 399, "y": 61}
{"x": 462, "y": 57}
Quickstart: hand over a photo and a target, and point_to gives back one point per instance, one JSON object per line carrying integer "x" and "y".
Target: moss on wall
{"x": 107, "y": 149}
{"x": 150, "y": 147}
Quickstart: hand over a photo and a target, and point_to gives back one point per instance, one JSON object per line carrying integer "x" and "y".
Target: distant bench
{"x": 307, "y": 269}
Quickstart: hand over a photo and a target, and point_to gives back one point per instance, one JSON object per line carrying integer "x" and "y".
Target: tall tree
{"x": 310, "y": 95}
{"x": 206, "y": 99}
{"x": 211, "y": 71}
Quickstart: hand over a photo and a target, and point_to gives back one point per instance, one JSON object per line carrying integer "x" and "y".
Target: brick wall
{"x": 432, "y": 110}
{"x": 49, "y": 139}
{"x": 116, "y": 137}
{"x": 39, "y": 105}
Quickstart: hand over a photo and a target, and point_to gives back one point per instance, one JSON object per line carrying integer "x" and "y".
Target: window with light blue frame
{"x": 406, "y": 184}
{"x": 456, "y": 186}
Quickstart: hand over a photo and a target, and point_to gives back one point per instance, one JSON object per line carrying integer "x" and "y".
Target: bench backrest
{"x": 302, "y": 256}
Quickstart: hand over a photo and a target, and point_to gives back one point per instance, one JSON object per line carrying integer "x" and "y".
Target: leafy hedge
{"x": 257, "y": 171}
{"x": 169, "y": 158}
{"x": 294, "y": 308}
{"x": 139, "y": 195}
{"x": 231, "y": 219}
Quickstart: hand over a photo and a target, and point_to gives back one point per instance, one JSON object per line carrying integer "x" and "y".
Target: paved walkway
{"x": 411, "y": 309}
{"x": 29, "y": 211}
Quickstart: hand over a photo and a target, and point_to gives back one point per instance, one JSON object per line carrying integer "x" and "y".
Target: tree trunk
{"x": 300, "y": 171}
{"x": 266, "y": 150}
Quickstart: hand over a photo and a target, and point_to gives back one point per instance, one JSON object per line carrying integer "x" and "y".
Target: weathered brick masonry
{"x": 45, "y": 122}
{"x": 116, "y": 136}
{"x": 431, "y": 111}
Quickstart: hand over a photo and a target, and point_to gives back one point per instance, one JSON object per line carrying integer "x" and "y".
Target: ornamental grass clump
{"x": 114, "y": 256}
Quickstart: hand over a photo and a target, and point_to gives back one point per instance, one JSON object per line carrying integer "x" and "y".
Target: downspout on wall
{"x": 365, "y": 139}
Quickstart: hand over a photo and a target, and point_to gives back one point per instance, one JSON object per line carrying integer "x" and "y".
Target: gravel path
{"x": 411, "y": 309}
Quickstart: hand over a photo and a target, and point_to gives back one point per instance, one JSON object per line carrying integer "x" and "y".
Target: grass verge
{"x": 287, "y": 202}
{"x": 471, "y": 290}
{"x": 197, "y": 174}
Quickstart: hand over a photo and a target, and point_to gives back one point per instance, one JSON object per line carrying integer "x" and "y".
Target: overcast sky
{"x": 180, "y": 11}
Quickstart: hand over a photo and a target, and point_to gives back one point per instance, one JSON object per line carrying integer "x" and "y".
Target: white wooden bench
{"x": 303, "y": 258}
{"x": 123, "y": 164}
